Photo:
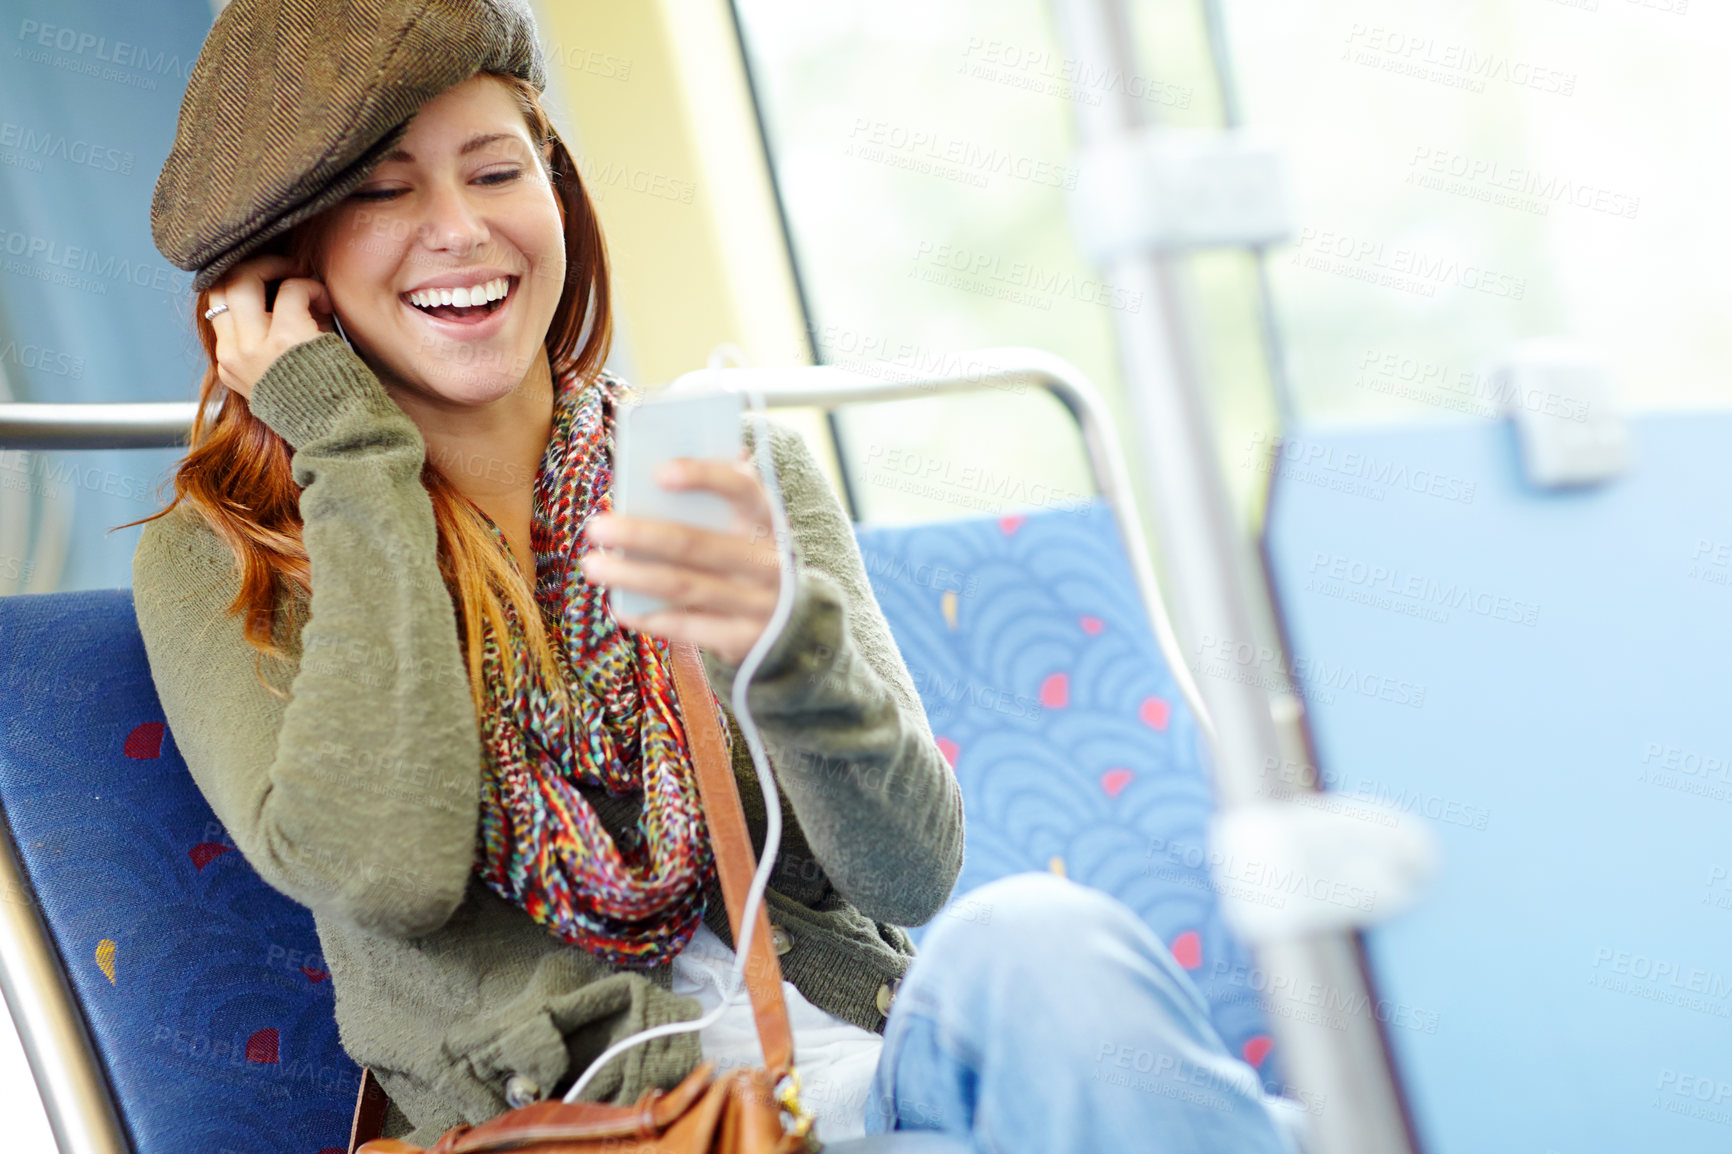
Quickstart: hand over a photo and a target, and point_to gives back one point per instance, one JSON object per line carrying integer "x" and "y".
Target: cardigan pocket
{"x": 526, "y": 1052}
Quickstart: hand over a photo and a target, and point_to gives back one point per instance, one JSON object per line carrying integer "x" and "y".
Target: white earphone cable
{"x": 748, "y": 728}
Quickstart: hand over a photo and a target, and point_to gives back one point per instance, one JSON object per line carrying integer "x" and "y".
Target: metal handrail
{"x": 51, "y": 1028}
{"x": 831, "y": 387}
{"x": 1222, "y": 588}
{"x": 132, "y": 425}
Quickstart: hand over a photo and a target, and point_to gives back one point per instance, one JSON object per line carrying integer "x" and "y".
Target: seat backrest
{"x": 202, "y": 988}
{"x": 1544, "y": 676}
{"x": 1033, "y": 655}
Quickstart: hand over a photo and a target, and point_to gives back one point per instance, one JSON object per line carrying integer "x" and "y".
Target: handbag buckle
{"x": 788, "y": 1095}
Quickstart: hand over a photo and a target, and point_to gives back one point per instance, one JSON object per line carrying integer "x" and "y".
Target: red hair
{"x": 236, "y": 471}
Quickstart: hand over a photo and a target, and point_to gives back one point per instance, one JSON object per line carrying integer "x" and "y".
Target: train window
{"x": 1469, "y": 175}
{"x": 90, "y": 311}
{"x": 1464, "y": 178}
{"x": 926, "y": 203}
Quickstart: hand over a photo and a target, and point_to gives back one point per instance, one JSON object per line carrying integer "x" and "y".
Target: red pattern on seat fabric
{"x": 1256, "y": 1049}
{"x": 206, "y": 852}
{"x": 145, "y": 741}
{"x": 262, "y": 1046}
{"x": 1055, "y": 691}
{"x": 1113, "y": 781}
{"x": 1187, "y": 950}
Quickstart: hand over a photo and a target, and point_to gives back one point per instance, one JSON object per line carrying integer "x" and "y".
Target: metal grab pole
{"x": 1221, "y": 605}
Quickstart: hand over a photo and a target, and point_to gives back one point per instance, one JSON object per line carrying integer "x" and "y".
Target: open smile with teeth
{"x": 465, "y": 303}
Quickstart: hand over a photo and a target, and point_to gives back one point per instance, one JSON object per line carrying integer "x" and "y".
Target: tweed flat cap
{"x": 293, "y": 102}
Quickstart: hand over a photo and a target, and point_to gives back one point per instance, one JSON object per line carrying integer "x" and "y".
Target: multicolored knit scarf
{"x": 541, "y": 845}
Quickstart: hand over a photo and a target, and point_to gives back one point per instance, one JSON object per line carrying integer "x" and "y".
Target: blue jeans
{"x": 1044, "y": 1016}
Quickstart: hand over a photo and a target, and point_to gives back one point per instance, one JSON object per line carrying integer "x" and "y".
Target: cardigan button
{"x": 520, "y": 1091}
{"x": 887, "y": 995}
{"x": 780, "y": 940}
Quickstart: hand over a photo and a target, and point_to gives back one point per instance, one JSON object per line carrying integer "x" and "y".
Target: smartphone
{"x": 705, "y": 427}
{"x": 271, "y": 287}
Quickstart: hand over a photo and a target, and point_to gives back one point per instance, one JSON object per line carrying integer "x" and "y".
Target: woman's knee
{"x": 1040, "y": 953}
{"x": 1035, "y": 905}
{"x": 1042, "y": 921}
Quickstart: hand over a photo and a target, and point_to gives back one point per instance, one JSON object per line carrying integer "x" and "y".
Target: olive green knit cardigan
{"x": 358, "y": 797}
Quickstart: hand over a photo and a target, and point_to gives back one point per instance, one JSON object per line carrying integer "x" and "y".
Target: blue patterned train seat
{"x": 1038, "y": 668}
{"x": 203, "y": 989}
{"x": 1543, "y": 676}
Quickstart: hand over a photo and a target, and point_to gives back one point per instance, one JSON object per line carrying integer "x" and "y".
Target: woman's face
{"x": 446, "y": 264}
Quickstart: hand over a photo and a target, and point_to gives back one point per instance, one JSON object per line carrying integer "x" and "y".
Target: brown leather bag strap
{"x": 735, "y": 861}
{"x": 370, "y": 1107}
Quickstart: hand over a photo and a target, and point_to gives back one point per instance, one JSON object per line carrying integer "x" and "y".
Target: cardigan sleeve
{"x": 849, "y": 740}
{"x": 358, "y": 796}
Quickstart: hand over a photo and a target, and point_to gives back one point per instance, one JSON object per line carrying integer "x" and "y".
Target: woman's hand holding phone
{"x": 721, "y": 587}
{"x": 248, "y": 337}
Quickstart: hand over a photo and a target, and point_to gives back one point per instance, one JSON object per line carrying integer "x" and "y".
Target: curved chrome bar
{"x": 74, "y": 1089}
{"x": 830, "y": 387}
{"x": 142, "y": 425}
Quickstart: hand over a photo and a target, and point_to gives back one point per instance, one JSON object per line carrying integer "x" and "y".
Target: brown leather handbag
{"x": 745, "y": 1111}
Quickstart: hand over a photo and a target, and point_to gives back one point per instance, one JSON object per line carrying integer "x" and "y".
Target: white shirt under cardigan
{"x": 836, "y": 1059}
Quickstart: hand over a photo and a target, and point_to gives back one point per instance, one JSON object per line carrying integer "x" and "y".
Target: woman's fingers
{"x": 227, "y": 344}
{"x": 723, "y": 616}
{"x": 721, "y": 587}
{"x": 681, "y": 586}
{"x": 250, "y": 338}
{"x": 303, "y": 297}
{"x": 245, "y": 296}
{"x": 747, "y": 555}
{"x": 748, "y": 547}
{"x": 729, "y": 638}
{"x": 245, "y": 291}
